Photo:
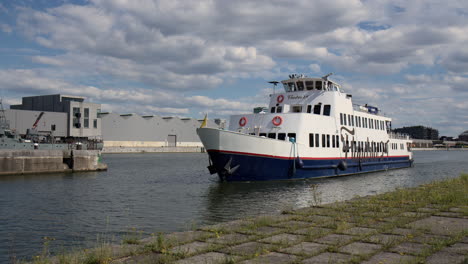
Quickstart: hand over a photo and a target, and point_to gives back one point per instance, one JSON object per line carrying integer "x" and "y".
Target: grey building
{"x": 419, "y": 132}
{"x": 132, "y": 130}
{"x": 50, "y": 122}
{"x": 82, "y": 119}
{"x": 463, "y": 136}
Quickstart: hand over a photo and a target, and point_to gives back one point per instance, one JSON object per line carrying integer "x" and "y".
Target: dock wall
{"x": 49, "y": 161}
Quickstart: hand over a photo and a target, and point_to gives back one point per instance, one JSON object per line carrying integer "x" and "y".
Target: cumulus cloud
{"x": 150, "y": 52}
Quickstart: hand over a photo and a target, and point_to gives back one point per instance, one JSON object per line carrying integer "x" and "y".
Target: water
{"x": 170, "y": 192}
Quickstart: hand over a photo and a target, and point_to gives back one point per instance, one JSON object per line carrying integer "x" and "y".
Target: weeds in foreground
{"x": 133, "y": 237}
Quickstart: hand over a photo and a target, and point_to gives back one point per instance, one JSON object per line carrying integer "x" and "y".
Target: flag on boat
{"x": 203, "y": 124}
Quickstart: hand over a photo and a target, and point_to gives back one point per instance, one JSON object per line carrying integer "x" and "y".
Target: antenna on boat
{"x": 275, "y": 83}
{"x": 326, "y": 76}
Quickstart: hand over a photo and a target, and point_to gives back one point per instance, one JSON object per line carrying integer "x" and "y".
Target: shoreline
{"x": 426, "y": 223}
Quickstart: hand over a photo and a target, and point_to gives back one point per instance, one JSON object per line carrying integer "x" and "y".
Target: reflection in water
{"x": 167, "y": 192}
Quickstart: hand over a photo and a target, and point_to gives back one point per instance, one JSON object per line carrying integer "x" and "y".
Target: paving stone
{"x": 263, "y": 231}
{"x": 334, "y": 239}
{"x": 230, "y": 239}
{"x": 359, "y": 248}
{"x": 427, "y": 210}
{"x": 457, "y": 209}
{"x": 414, "y": 214}
{"x": 271, "y": 258}
{"x": 444, "y": 257}
{"x": 249, "y": 248}
{"x": 441, "y": 225}
{"x": 389, "y": 258}
{"x": 316, "y": 211}
{"x": 191, "y": 248}
{"x": 465, "y": 239}
{"x": 293, "y": 224}
{"x": 305, "y": 248}
{"x": 208, "y": 258}
{"x": 287, "y": 239}
{"x": 385, "y": 239}
{"x": 228, "y": 227}
{"x": 429, "y": 239}
{"x": 410, "y": 248}
{"x": 327, "y": 258}
{"x": 313, "y": 231}
{"x": 359, "y": 231}
{"x": 317, "y": 219}
{"x": 458, "y": 248}
{"x": 449, "y": 214}
{"x": 180, "y": 237}
{"x": 402, "y": 231}
{"x": 146, "y": 258}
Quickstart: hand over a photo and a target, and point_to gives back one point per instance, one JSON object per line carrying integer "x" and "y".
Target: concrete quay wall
{"x": 49, "y": 161}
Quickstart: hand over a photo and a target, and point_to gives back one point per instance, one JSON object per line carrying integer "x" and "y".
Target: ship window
{"x": 309, "y": 109}
{"x": 292, "y": 135}
{"x": 52, "y": 127}
{"x": 349, "y": 120}
{"x": 333, "y": 141}
{"x": 252, "y": 134}
{"x": 359, "y": 119}
{"x": 292, "y": 87}
{"x": 309, "y": 85}
{"x": 323, "y": 141}
{"x": 297, "y": 108}
{"x": 328, "y": 141}
{"x": 344, "y": 119}
{"x": 272, "y": 135}
{"x": 273, "y": 109}
{"x": 279, "y": 109}
{"x": 318, "y": 85}
{"x": 317, "y": 138}
{"x": 326, "y": 110}
{"x": 262, "y": 134}
{"x": 300, "y": 86}
{"x": 376, "y": 124}
{"x": 356, "y": 121}
{"x": 337, "y": 141}
{"x": 317, "y": 109}
{"x": 281, "y": 136}
{"x": 341, "y": 118}
{"x": 311, "y": 140}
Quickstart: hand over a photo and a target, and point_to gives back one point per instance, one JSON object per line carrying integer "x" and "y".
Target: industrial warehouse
{"x": 70, "y": 118}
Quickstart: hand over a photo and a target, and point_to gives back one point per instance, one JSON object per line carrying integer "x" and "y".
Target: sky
{"x": 188, "y": 58}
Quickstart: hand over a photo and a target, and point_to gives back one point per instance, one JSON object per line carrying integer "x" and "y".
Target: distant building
{"x": 463, "y": 136}
{"x": 81, "y": 118}
{"x": 419, "y": 132}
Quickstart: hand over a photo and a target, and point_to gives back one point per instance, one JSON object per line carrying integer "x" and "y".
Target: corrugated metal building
{"x": 132, "y": 130}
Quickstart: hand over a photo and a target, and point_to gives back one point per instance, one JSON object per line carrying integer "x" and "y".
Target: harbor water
{"x": 167, "y": 192}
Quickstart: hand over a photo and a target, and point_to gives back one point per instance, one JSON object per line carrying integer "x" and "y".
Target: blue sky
{"x": 187, "y": 58}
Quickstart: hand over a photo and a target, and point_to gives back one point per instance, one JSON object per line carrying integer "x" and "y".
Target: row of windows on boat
{"x": 333, "y": 141}
{"x": 364, "y": 122}
{"x": 298, "y": 109}
{"x": 310, "y": 85}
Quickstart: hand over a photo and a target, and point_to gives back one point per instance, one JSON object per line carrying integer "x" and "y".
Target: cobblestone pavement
{"x": 328, "y": 234}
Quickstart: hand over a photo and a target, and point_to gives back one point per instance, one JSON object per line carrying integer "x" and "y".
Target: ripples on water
{"x": 171, "y": 192}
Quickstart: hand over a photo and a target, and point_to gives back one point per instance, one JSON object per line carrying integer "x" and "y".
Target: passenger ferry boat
{"x": 310, "y": 130}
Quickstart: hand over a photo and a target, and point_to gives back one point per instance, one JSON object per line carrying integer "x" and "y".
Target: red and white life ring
{"x": 277, "y": 120}
{"x": 280, "y": 98}
{"x": 243, "y": 121}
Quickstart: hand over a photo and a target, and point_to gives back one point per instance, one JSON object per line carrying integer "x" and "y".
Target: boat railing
{"x": 394, "y": 135}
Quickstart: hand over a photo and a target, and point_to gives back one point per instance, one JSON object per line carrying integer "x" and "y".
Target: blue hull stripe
{"x": 262, "y": 168}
